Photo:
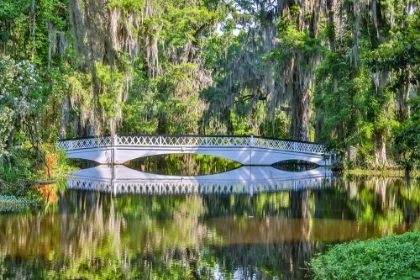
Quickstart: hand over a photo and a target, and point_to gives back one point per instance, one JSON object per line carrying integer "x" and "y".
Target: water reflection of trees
{"x": 96, "y": 235}
{"x": 183, "y": 164}
{"x": 387, "y": 202}
{"x": 80, "y": 245}
{"x": 295, "y": 165}
{"x": 276, "y": 225}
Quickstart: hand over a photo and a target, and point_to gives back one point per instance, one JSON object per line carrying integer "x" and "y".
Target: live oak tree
{"x": 337, "y": 71}
{"x": 401, "y": 57}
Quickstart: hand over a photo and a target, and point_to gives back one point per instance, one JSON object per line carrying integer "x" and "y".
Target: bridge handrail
{"x": 88, "y": 142}
{"x": 193, "y": 140}
{"x": 296, "y": 146}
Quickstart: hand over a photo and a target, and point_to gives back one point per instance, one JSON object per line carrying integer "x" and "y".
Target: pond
{"x": 233, "y": 230}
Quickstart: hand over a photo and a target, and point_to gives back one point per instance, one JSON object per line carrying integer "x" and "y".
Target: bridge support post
{"x": 251, "y": 145}
{"x": 115, "y": 143}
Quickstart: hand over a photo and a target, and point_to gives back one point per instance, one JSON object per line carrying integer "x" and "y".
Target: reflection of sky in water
{"x": 238, "y": 273}
{"x": 217, "y": 274}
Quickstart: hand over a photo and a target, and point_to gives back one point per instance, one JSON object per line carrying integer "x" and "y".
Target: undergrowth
{"x": 391, "y": 257}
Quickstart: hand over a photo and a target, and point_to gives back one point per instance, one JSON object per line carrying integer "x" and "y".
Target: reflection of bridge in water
{"x": 244, "y": 180}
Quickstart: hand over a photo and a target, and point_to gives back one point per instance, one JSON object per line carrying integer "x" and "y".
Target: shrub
{"x": 391, "y": 257}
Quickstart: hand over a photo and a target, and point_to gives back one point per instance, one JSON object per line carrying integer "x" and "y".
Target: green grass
{"x": 391, "y": 257}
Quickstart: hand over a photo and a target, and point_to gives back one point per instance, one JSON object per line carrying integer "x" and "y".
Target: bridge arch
{"x": 247, "y": 150}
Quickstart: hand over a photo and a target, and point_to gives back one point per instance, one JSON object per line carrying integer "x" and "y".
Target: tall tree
{"x": 360, "y": 126}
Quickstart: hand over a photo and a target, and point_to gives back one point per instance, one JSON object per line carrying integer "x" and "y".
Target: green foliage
{"x": 183, "y": 24}
{"x": 22, "y": 92}
{"x": 6, "y": 117}
{"x": 345, "y": 105}
{"x": 111, "y": 82}
{"x": 239, "y": 124}
{"x": 79, "y": 87}
{"x": 127, "y": 5}
{"x": 402, "y": 51}
{"x": 22, "y": 111}
{"x": 164, "y": 97}
{"x": 15, "y": 12}
{"x": 207, "y": 67}
{"x": 407, "y": 138}
{"x": 294, "y": 40}
{"x": 392, "y": 257}
{"x": 24, "y": 167}
{"x": 17, "y": 170}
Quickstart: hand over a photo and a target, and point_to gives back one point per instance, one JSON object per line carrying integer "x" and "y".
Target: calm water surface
{"x": 90, "y": 234}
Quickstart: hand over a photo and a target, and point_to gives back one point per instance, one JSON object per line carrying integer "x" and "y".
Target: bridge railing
{"x": 277, "y": 144}
{"x": 82, "y": 143}
{"x": 191, "y": 140}
{"x": 183, "y": 140}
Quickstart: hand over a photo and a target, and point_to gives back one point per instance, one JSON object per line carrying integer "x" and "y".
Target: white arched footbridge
{"x": 247, "y": 150}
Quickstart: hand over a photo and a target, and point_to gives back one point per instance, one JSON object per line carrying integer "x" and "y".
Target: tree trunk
{"x": 403, "y": 109}
{"x": 300, "y": 104}
{"x": 65, "y": 111}
{"x": 33, "y": 28}
{"x": 301, "y": 114}
{"x": 380, "y": 149}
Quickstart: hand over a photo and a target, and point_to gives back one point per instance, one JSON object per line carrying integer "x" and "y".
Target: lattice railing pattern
{"x": 277, "y": 144}
{"x": 173, "y": 187}
{"x": 152, "y": 140}
{"x": 89, "y": 184}
{"x": 85, "y": 143}
{"x": 194, "y": 141}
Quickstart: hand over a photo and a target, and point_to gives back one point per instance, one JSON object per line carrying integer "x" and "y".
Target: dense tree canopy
{"x": 337, "y": 71}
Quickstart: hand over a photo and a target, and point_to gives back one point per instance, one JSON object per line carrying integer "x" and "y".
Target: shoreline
{"x": 386, "y": 173}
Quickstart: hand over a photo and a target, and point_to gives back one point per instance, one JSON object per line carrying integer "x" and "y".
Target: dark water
{"x": 96, "y": 235}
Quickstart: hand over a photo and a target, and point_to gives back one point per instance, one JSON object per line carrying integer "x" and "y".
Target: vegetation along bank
{"x": 340, "y": 72}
